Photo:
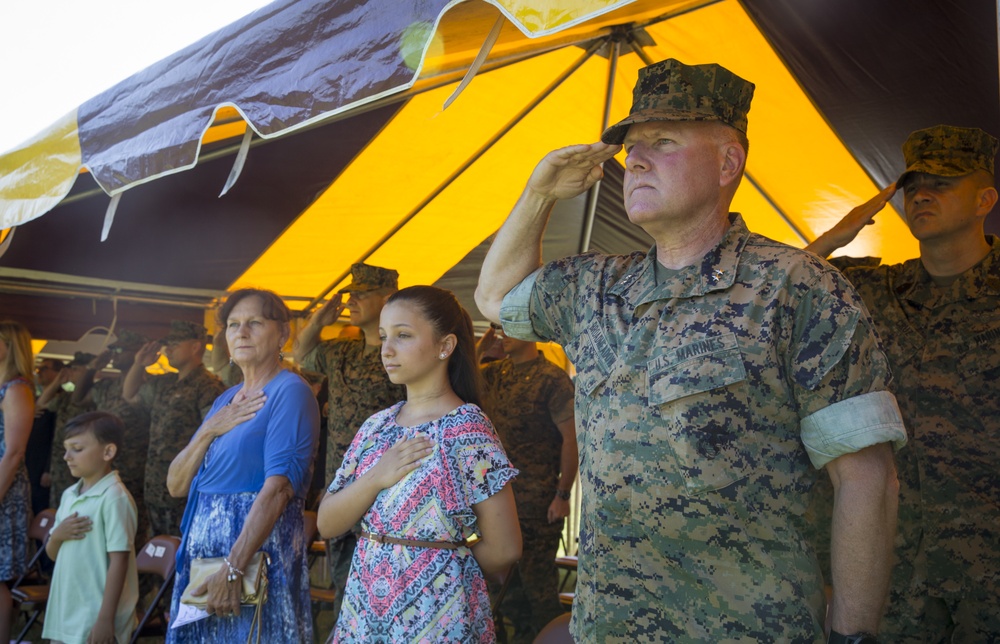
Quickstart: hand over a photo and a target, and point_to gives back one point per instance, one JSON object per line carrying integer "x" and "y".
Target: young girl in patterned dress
{"x": 429, "y": 481}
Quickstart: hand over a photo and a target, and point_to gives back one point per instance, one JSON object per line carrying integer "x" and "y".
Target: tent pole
{"x": 591, "y": 50}
{"x": 781, "y": 213}
{"x": 16, "y": 289}
{"x": 638, "y": 50}
{"x": 588, "y": 222}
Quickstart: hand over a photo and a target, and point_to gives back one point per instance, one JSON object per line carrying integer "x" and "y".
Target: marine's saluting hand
{"x": 569, "y": 171}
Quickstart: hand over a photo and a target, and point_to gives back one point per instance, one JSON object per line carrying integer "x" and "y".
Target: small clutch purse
{"x": 254, "y": 591}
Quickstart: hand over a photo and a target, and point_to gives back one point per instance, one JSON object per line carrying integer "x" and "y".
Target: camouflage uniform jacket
{"x": 65, "y": 409}
{"x": 526, "y": 403}
{"x": 942, "y": 343}
{"x": 358, "y": 387}
{"x": 700, "y": 402}
{"x": 131, "y": 460}
{"x": 176, "y": 409}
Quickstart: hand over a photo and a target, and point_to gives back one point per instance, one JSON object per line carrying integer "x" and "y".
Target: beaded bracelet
{"x": 234, "y": 573}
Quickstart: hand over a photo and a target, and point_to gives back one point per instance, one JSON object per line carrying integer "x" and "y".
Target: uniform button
{"x": 707, "y": 448}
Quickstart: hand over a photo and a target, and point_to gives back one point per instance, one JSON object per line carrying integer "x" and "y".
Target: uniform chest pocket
{"x": 699, "y": 393}
{"x": 594, "y": 357}
{"x": 978, "y": 369}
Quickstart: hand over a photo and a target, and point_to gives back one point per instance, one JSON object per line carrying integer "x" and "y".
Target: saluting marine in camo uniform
{"x": 715, "y": 374}
{"x": 939, "y": 320}
{"x": 356, "y": 380}
{"x": 177, "y": 404}
{"x": 530, "y": 401}
{"x": 106, "y": 395}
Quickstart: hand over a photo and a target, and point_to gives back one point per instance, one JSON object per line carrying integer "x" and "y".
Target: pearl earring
{"x": 443, "y": 355}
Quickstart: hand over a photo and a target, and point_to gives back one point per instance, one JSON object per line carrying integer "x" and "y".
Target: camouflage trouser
{"x": 339, "y": 554}
{"x": 919, "y": 618}
{"x": 165, "y": 512}
{"x": 532, "y": 598}
{"x": 136, "y": 489}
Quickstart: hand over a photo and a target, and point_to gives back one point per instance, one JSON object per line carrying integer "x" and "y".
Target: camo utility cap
{"x": 81, "y": 359}
{"x": 129, "y": 341}
{"x": 672, "y": 91}
{"x": 948, "y": 151}
{"x": 370, "y": 278}
{"x": 181, "y": 330}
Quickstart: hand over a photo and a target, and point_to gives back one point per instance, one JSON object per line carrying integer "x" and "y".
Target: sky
{"x": 56, "y": 54}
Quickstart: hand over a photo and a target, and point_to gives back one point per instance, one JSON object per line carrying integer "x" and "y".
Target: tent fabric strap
{"x": 588, "y": 223}
{"x": 781, "y": 213}
{"x": 109, "y": 215}
{"x": 241, "y": 158}
{"x": 484, "y": 51}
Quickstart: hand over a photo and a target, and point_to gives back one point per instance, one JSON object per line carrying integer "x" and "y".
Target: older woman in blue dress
{"x": 246, "y": 473}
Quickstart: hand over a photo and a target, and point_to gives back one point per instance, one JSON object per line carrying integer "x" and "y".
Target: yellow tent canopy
{"x": 352, "y": 156}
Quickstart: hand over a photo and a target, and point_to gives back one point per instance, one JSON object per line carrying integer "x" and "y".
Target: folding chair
{"x": 555, "y": 632}
{"x": 498, "y": 619}
{"x": 568, "y": 565}
{"x": 319, "y": 597}
{"x": 30, "y": 591}
{"x": 39, "y": 531}
{"x": 317, "y": 545}
{"x": 309, "y": 518}
{"x": 158, "y": 557}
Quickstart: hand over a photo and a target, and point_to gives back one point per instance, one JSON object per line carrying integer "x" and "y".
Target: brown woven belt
{"x": 446, "y": 545}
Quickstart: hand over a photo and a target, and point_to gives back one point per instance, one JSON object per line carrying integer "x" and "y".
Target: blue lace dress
{"x": 15, "y": 510}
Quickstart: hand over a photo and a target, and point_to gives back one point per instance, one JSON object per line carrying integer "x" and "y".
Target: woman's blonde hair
{"x": 19, "y": 360}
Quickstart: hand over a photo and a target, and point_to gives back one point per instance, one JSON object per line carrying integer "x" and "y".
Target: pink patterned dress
{"x": 409, "y": 594}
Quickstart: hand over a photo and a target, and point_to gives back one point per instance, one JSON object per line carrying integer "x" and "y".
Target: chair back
{"x": 505, "y": 579}
{"x": 556, "y": 631}
{"x": 42, "y": 525}
{"x": 39, "y": 530}
{"x": 158, "y": 556}
{"x": 309, "y": 519}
